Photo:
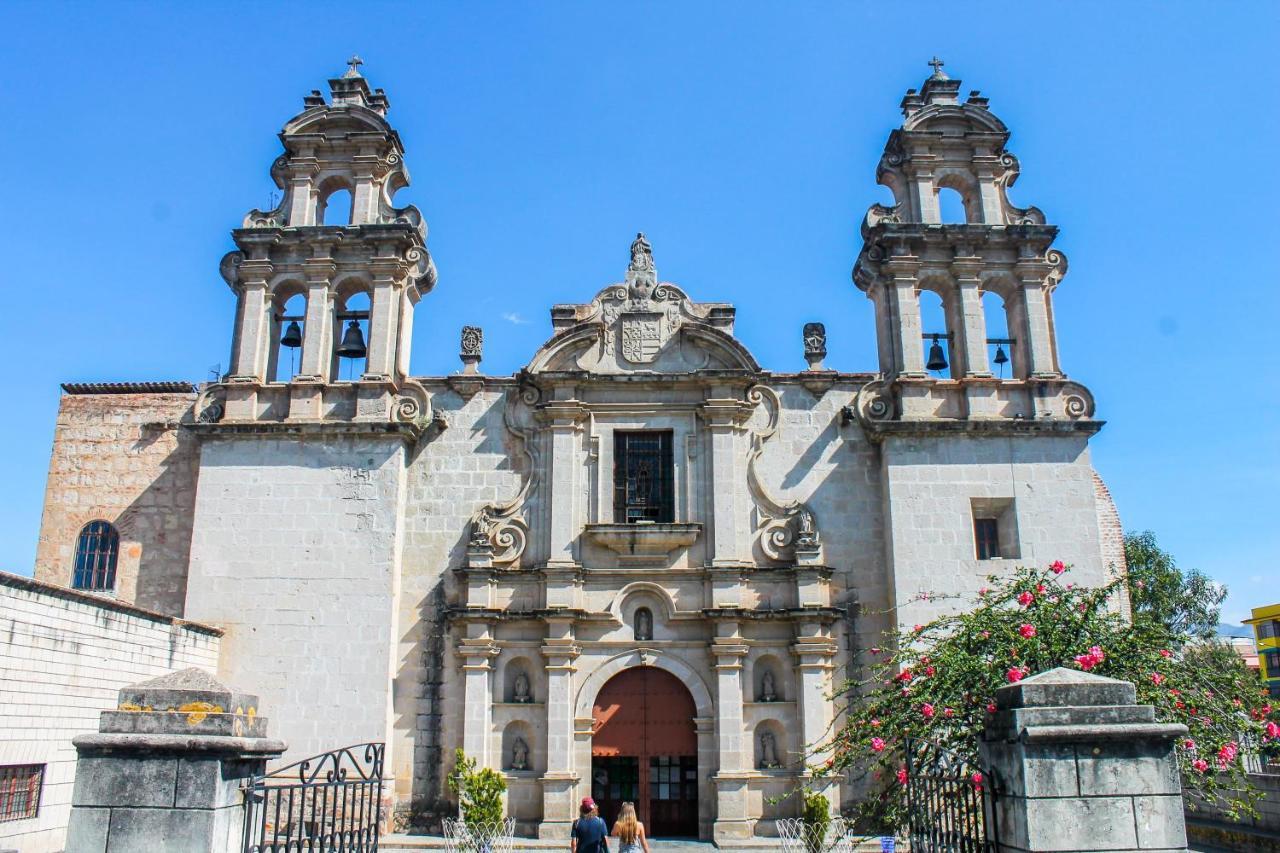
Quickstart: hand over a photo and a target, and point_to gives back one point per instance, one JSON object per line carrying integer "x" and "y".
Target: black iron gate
{"x": 951, "y": 802}
{"x": 330, "y": 802}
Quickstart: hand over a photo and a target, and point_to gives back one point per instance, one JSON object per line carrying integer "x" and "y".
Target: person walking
{"x": 589, "y": 834}
{"x": 629, "y": 831}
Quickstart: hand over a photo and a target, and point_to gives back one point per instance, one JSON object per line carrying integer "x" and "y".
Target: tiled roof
{"x": 128, "y": 387}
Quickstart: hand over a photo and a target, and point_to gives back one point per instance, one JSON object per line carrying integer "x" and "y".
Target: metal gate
{"x": 330, "y": 802}
{"x": 950, "y": 802}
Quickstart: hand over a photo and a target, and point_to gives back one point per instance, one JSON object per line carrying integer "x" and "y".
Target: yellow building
{"x": 1266, "y": 630}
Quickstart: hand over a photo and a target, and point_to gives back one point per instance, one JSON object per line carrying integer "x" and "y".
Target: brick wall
{"x": 113, "y": 459}
{"x": 1111, "y": 535}
{"x": 63, "y": 657}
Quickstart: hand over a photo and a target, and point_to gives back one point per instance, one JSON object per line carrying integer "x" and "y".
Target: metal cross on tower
{"x": 937, "y": 64}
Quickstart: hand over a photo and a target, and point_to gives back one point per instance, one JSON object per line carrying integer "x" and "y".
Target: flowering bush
{"x": 938, "y": 682}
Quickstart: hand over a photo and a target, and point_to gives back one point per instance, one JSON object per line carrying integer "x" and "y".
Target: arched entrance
{"x": 645, "y": 750}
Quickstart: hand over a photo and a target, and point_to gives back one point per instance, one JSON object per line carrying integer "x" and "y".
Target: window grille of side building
{"x": 20, "y": 787}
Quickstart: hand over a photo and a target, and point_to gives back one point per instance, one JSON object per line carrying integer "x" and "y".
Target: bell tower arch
{"x": 946, "y": 145}
{"x": 343, "y": 146}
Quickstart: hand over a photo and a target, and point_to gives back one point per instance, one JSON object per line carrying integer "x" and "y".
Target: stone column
{"x": 253, "y": 326}
{"x": 477, "y": 651}
{"x": 560, "y": 782}
{"x": 1081, "y": 767}
{"x": 1037, "y": 318}
{"x": 904, "y": 304}
{"x": 973, "y": 323}
{"x": 737, "y": 751}
{"x": 563, "y": 414}
{"x": 165, "y": 769}
{"x": 384, "y": 306}
{"x": 722, "y": 413}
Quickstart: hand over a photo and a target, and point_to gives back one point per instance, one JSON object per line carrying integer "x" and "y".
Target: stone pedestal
{"x": 1081, "y": 767}
{"x": 165, "y": 770}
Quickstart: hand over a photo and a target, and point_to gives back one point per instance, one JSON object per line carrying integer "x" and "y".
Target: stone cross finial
{"x": 937, "y": 64}
{"x": 354, "y": 62}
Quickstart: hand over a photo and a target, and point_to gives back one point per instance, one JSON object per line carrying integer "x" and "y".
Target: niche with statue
{"x": 770, "y": 745}
{"x": 767, "y": 674}
{"x": 519, "y": 686}
{"x": 518, "y": 748}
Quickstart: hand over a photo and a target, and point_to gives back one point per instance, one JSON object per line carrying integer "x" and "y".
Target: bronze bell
{"x": 937, "y": 360}
{"x": 292, "y": 337}
{"x": 1001, "y": 358}
{"x": 352, "y": 345}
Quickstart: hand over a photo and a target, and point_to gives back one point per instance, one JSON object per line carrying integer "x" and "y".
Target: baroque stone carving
{"x": 815, "y": 344}
{"x": 501, "y": 526}
{"x": 471, "y": 348}
{"x": 786, "y": 527}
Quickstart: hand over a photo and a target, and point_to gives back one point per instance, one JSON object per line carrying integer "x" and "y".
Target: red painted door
{"x": 645, "y": 750}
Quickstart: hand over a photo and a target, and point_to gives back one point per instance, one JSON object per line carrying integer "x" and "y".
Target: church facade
{"x": 638, "y": 568}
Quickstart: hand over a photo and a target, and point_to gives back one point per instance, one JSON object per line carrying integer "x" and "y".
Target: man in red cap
{"x": 589, "y": 833}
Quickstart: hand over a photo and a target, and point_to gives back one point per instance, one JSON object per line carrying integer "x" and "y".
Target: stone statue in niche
{"x": 768, "y": 693}
{"x": 768, "y": 751}
{"x": 644, "y": 624}
{"x": 481, "y": 529}
{"x": 519, "y": 754}
{"x": 806, "y": 530}
{"x": 521, "y": 693}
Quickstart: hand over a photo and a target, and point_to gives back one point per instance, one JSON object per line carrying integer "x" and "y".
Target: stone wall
{"x": 931, "y": 484}
{"x": 63, "y": 657}
{"x": 296, "y": 554}
{"x": 1210, "y": 824}
{"x": 117, "y": 457}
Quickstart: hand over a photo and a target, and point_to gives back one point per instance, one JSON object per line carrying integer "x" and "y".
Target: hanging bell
{"x": 937, "y": 360}
{"x": 292, "y": 337}
{"x": 1001, "y": 358}
{"x": 352, "y": 345}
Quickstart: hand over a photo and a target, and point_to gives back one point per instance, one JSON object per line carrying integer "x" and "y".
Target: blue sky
{"x": 741, "y": 137}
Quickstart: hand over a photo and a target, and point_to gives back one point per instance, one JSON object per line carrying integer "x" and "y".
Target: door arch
{"x": 644, "y": 748}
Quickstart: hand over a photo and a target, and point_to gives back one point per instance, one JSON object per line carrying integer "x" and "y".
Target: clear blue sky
{"x": 741, "y": 137}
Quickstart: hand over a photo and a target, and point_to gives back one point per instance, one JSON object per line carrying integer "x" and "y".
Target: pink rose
{"x": 1091, "y": 659}
{"x": 1040, "y": 588}
{"x": 1015, "y": 674}
{"x": 917, "y": 628}
{"x": 983, "y": 591}
{"x": 1189, "y": 745}
{"x": 902, "y": 775}
{"x": 1272, "y": 731}
{"x": 991, "y": 707}
{"x": 1057, "y": 567}
{"x": 977, "y": 780}
{"x": 1165, "y": 653}
{"x": 1025, "y": 598}
{"x": 877, "y": 744}
{"x": 1200, "y": 765}
{"x": 927, "y": 710}
{"x": 1027, "y": 630}
{"x": 875, "y": 724}
{"x": 929, "y": 670}
{"x": 1156, "y": 678}
{"x": 986, "y": 635}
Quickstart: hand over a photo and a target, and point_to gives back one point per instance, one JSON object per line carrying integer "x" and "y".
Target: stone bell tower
{"x": 946, "y": 145}
{"x": 361, "y": 277}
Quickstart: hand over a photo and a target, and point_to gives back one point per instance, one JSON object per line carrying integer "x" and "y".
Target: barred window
{"x": 643, "y": 477}
{"x": 20, "y": 786}
{"x": 96, "y": 552}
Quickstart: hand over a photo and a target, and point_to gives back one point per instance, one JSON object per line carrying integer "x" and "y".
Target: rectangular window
{"x": 643, "y": 477}
{"x": 1268, "y": 629}
{"x": 1272, "y": 664}
{"x": 20, "y": 791}
{"x": 986, "y": 536}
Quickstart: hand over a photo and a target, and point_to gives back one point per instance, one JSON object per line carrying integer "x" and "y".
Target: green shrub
{"x": 479, "y": 792}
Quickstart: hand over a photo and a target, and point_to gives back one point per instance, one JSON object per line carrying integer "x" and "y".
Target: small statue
{"x": 806, "y": 530}
{"x": 481, "y": 528}
{"x": 768, "y": 751}
{"x": 644, "y": 624}
{"x": 522, "y": 688}
{"x": 767, "y": 691}
{"x": 519, "y": 754}
{"x": 641, "y": 254}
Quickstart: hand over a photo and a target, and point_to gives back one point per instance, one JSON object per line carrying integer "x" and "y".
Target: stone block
{"x": 87, "y": 830}
{"x": 1127, "y": 769}
{"x": 204, "y": 783}
{"x": 1080, "y": 824}
{"x": 160, "y": 831}
{"x": 104, "y": 780}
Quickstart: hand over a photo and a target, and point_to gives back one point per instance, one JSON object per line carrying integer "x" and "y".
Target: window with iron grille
{"x": 96, "y": 552}
{"x": 1272, "y": 664}
{"x": 643, "y": 477}
{"x": 20, "y": 786}
{"x": 986, "y": 534}
{"x": 1269, "y": 629}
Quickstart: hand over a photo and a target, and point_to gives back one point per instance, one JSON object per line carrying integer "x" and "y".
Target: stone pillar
{"x": 165, "y": 769}
{"x": 1038, "y": 323}
{"x": 477, "y": 651}
{"x": 564, "y": 414}
{"x": 737, "y": 752}
{"x": 253, "y": 327}
{"x": 560, "y": 782}
{"x": 973, "y": 323}
{"x": 1082, "y": 767}
{"x": 384, "y": 309}
{"x": 904, "y": 303}
{"x": 722, "y": 412}
{"x": 317, "y": 331}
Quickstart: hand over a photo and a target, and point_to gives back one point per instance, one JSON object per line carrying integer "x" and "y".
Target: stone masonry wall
{"x": 108, "y": 463}
{"x": 931, "y": 484}
{"x": 63, "y": 657}
{"x": 296, "y": 554}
